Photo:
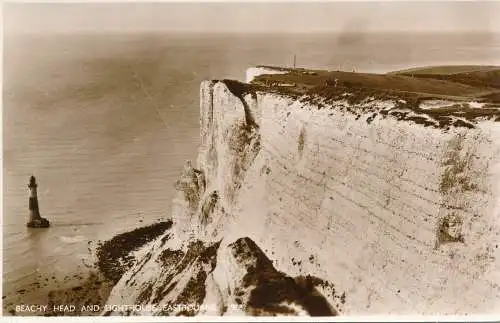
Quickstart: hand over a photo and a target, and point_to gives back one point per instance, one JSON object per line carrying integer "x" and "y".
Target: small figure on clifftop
{"x": 35, "y": 220}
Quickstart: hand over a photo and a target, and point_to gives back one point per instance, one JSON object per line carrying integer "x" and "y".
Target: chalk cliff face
{"x": 253, "y": 72}
{"x": 337, "y": 212}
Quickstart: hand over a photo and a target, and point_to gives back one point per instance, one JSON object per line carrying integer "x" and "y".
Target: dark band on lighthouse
{"x": 35, "y": 220}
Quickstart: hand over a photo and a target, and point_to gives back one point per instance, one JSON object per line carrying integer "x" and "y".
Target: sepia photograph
{"x": 232, "y": 160}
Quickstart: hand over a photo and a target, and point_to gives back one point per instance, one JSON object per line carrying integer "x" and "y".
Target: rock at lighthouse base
{"x": 38, "y": 223}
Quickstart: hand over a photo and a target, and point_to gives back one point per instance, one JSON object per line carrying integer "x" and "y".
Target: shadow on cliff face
{"x": 202, "y": 259}
{"x": 271, "y": 292}
{"x": 244, "y": 145}
{"x": 243, "y": 138}
{"x": 261, "y": 290}
{"x": 192, "y": 183}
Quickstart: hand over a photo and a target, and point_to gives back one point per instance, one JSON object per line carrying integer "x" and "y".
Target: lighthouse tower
{"x": 35, "y": 220}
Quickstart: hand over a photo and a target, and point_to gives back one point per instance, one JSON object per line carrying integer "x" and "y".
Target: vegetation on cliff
{"x": 407, "y": 89}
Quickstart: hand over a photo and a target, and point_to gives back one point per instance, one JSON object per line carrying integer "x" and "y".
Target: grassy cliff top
{"x": 469, "y": 93}
{"x": 448, "y": 69}
{"x": 461, "y": 83}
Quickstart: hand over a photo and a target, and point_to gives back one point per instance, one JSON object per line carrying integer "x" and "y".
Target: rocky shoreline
{"x": 114, "y": 257}
{"x": 90, "y": 292}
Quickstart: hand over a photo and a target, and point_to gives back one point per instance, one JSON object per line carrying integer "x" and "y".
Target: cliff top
{"x": 437, "y": 96}
{"x": 448, "y": 69}
{"x": 459, "y": 83}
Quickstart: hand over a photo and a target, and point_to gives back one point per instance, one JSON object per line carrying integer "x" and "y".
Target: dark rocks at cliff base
{"x": 114, "y": 255}
{"x": 38, "y": 223}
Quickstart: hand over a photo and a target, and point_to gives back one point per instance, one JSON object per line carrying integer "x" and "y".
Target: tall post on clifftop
{"x": 35, "y": 220}
{"x": 294, "y": 60}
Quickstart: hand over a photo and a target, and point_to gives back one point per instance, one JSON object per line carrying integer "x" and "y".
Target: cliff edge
{"x": 333, "y": 193}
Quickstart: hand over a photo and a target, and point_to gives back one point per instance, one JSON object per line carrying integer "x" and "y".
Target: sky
{"x": 277, "y": 17}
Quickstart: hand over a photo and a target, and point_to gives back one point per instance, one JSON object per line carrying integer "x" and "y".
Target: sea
{"x": 106, "y": 121}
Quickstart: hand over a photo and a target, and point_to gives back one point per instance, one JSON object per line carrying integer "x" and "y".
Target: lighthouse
{"x": 35, "y": 220}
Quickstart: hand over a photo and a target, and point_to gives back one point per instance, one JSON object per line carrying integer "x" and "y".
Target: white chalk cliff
{"x": 304, "y": 207}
